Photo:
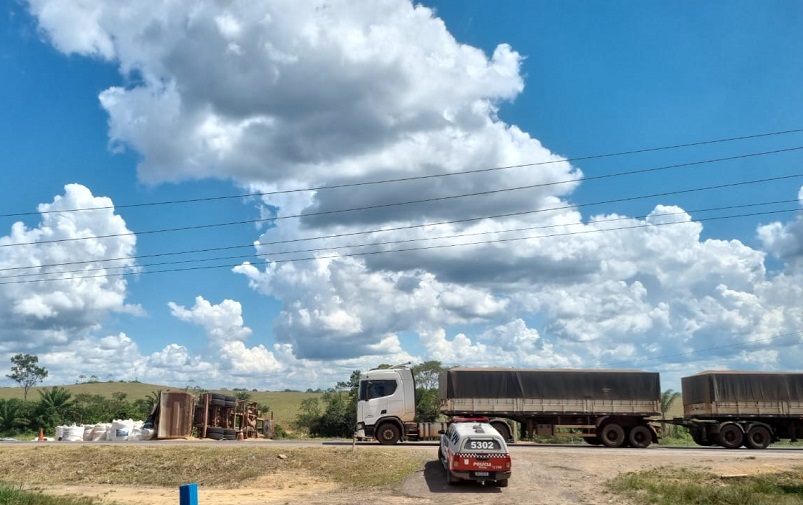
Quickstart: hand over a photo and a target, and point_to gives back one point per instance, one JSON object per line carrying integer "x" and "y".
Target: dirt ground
{"x": 547, "y": 475}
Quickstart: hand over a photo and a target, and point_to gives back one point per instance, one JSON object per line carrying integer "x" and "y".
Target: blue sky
{"x": 132, "y": 104}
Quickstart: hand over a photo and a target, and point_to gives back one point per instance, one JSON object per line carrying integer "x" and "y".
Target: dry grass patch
{"x": 219, "y": 466}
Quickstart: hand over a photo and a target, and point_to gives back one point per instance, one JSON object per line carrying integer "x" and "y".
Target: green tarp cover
{"x": 711, "y": 387}
{"x": 550, "y": 384}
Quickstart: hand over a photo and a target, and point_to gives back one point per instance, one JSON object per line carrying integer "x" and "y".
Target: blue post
{"x": 188, "y": 494}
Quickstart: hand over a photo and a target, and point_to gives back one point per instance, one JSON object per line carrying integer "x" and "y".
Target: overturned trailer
{"x": 731, "y": 408}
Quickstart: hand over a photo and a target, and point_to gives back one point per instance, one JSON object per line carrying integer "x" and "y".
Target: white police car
{"x": 474, "y": 450}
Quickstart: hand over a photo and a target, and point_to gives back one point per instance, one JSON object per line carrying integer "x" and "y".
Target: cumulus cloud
{"x": 60, "y": 278}
{"x": 785, "y": 240}
{"x": 490, "y": 267}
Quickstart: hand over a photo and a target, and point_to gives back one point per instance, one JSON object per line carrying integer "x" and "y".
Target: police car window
{"x": 474, "y": 444}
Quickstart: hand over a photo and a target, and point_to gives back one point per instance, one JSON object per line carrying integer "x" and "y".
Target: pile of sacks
{"x": 117, "y": 431}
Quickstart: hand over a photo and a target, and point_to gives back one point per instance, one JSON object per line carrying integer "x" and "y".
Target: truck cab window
{"x": 377, "y": 389}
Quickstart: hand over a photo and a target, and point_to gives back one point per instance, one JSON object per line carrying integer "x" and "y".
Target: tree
{"x": 55, "y": 407}
{"x": 26, "y": 372}
{"x": 427, "y": 373}
{"x": 668, "y": 397}
{"x": 426, "y": 376}
{"x": 335, "y": 413}
{"x": 13, "y": 416}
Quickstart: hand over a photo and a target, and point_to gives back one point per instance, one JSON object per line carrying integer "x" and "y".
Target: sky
{"x": 270, "y": 195}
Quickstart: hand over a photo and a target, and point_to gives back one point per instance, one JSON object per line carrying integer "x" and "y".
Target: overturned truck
{"x": 753, "y": 409}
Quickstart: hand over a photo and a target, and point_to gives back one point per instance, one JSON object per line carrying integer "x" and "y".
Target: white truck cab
{"x": 475, "y": 451}
{"x": 386, "y": 404}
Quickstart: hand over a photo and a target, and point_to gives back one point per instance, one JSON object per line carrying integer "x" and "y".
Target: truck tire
{"x": 758, "y": 437}
{"x": 698, "y": 435}
{"x": 501, "y": 483}
{"x": 612, "y": 435}
{"x": 503, "y": 428}
{"x": 730, "y": 436}
{"x": 388, "y": 434}
{"x": 640, "y": 437}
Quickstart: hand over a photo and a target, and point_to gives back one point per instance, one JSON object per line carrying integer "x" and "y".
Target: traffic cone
{"x": 41, "y": 435}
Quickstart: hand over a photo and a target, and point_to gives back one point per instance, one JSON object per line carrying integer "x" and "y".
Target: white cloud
{"x": 84, "y": 255}
{"x": 286, "y": 94}
{"x": 785, "y": 240}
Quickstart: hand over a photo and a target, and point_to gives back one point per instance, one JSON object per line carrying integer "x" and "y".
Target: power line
{"x": 432, "y": 176}
{"x": 427, "y": 200}
{"x": 356, "y": 233}
{"x": 411, "y": 249}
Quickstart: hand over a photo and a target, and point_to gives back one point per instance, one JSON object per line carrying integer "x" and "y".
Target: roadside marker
{"x": 188, "y": 494}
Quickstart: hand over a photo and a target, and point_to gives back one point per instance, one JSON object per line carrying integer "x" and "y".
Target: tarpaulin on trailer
{"x": 709, "y": 387}
{"x": 550, "y": 384}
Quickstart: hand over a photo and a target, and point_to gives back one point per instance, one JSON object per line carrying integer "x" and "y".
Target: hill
{"x": 285, "y": 405}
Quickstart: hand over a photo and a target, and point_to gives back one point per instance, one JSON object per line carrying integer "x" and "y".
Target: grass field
{"x": 284, "y": 404}
{"x": 666, "y": 486}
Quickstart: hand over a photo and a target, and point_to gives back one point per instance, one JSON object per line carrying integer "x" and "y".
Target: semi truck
{"x": 605, "y": 407}
{"x": 732, "y": 409}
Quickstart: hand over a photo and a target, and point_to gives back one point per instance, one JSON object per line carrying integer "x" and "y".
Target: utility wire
{"x": 424, "y": 200}
{"x": 432, "y": 176}
{"x": 356, "y": 233}
{"x": 372, "y": 253}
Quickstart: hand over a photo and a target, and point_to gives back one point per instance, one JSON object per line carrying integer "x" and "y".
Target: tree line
{"x": 57, "y": 406}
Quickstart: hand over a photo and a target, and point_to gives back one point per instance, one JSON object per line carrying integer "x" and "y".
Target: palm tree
{"x": 668, "y": 397}
{"x": 12, "y": 416}
{"x": 55, "y": 406}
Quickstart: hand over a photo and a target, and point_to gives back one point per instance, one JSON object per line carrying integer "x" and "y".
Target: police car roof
{"x": 476, "y": 429}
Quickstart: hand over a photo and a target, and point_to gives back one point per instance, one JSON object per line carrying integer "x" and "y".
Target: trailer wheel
{"x": 612, "y": 435}
{"x": 730, "y": 436}
{"x": 758, "y": 437}
{"x": 388, "y": 434}
{"x": 640, "y": 436}
{"x": 698, "y": 435}
{"x": 503, "y": 428}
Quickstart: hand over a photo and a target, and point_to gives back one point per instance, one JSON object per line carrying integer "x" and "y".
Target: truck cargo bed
{"x": 716, "y": 394}
{"x": 512, "y": 392}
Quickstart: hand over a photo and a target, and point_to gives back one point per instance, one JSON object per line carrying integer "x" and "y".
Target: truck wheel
{"x": 758, "y": 437}
{"x": 698, "y": 435}
{"x": 451, "y": 480}
{"x": 612, "y": 435}
{"x": 640, "y": 436}
{"x": 501, "y": 483}
{"x": 388, "y": 434}
{"x": 503, "y": 428}
{"x": 730, "y": 436}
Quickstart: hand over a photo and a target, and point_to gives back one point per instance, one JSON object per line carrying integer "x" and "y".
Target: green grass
{"x": 14, "y": 495}
{"x": 673, "y": 486}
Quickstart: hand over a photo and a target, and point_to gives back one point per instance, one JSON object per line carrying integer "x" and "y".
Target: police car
{"x": 474, "y": 450}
